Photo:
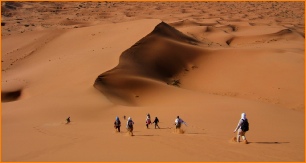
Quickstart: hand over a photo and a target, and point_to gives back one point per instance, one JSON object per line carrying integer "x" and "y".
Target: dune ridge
{"x": 167, "y": 56}
{"x": 161, "y": 55}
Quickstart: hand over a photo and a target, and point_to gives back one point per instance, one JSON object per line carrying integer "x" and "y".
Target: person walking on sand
{"x": 156, "y": 121}
{"x": 242, "y": 127}
{"x": 178, "y": 122}
{"x": 129, "y": 126}
{"x": 117, "y": 124}
{"x": 148, "y": 120}
{"x": 68, "y": 120}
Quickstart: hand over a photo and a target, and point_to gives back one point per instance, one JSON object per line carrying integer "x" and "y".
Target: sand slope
{"x": 159, "y": 56}
{"x": 205, "y": 61}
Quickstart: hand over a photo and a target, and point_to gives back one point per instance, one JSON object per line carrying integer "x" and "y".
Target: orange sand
{"x": 205, "y": 61}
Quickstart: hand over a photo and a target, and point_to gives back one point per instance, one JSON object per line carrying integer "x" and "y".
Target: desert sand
{"x": 206, "y": 62}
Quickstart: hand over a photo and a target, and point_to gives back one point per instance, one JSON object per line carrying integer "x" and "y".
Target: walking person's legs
{"x": 238, "y": 135}
{"x": 132, "y": 131}
{"x": 244, "y": 138}
{"x": 242, "y": 135}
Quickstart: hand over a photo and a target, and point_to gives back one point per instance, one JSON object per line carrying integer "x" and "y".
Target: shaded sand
{"x": 205, "y": 61}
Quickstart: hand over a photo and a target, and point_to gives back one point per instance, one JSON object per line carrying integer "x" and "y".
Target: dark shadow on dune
{"x": 145, "y": 135}
{"x": 269, "y": 142}
{"x": 10, "y": 96}
{"x": 228, "y": 42}
{"x": 159, "y": 56}
{"x": 283, "y": 32}
{"x": 234, "y": 28}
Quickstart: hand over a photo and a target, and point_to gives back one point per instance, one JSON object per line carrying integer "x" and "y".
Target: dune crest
{"x": 160, "y": 56}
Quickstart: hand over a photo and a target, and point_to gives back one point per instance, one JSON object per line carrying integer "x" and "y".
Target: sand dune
{"x": 160, "y": 55}
{"x": 205, "y": 61}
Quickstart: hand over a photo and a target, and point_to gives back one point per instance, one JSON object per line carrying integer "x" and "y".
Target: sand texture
{"x": 206, "y": 62}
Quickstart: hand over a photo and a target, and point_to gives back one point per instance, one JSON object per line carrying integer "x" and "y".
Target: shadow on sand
{"x": 269, "y": 142}
{"x": 164, "y": 128}
{"x": 145, "y": 135}
{"x": 195, "y": 133}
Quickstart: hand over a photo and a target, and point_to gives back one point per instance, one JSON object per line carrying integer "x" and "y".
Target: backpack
{"x": 245, "y": 125}
{"x": 117, "y": 123}
{"x": 130, "y": 124}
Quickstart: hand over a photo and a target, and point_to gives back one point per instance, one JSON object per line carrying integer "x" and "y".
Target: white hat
{"x": 243, "y": 116}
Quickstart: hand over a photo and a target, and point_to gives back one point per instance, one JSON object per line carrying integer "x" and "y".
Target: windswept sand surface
{"x": 205, "y": 61}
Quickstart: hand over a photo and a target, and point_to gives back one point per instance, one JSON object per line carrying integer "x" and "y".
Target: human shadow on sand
{"x": 145, "y": 135}
{"x": 195, "y": 133}
{"x": 163, "y": 128}
{"x": 276, "y": 142}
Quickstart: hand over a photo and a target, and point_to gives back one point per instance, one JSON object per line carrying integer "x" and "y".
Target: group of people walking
{"x": 148, "y": 121}
{"x": 242, "y": 127}
{"x": 130, "y": 123}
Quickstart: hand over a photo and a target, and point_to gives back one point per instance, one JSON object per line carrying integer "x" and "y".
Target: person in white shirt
{"x": 178, "y": 122}
{"x": 148, "y": 120}
{"x": 129, "y": 125}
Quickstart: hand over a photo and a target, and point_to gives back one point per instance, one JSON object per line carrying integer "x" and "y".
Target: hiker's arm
{"x": 185, "y": 123}
{"x": 239, "y": 124}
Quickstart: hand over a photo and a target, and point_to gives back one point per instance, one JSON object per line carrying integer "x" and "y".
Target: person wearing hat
{"x": 178, "y": 122}
{"x": 242, "y": 127}
{"x": 117, "y": 124}
{"x": 129, "y": 125}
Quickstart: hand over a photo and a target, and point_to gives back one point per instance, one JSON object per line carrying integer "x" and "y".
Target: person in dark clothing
{"x": 156, "y": 121}
{"x": 68, "y": 120}
{"x": 117, "y": 124}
